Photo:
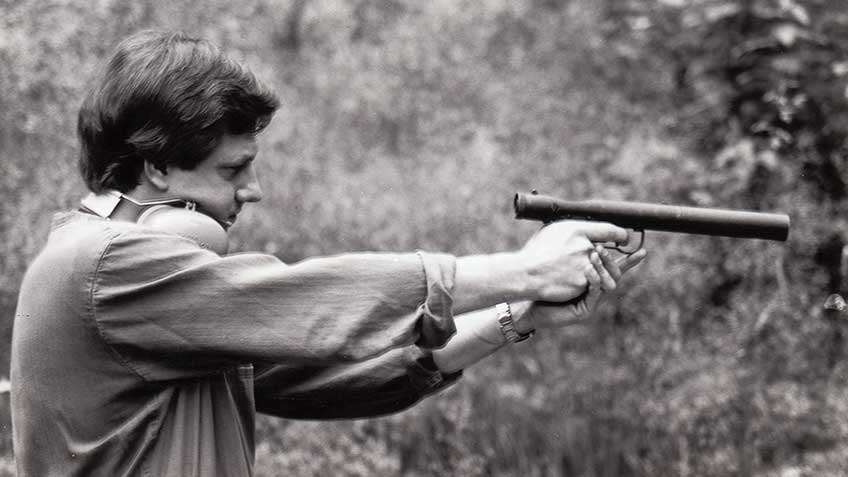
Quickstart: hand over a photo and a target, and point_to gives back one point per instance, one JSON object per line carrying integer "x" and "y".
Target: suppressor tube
{"x": 647, "y": 216}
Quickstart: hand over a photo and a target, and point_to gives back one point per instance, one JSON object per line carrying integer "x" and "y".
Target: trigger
{"x": 627, "y": 247}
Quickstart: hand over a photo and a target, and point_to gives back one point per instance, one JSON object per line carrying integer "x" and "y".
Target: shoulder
{"x": 142, "y": 253}
{"x": 80, "y": 241}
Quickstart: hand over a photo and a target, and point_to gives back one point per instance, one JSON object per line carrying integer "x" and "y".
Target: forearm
{"x": 383, "y": 385}
{"x": 485, "y": 280}
{"x": 478, "y": 335}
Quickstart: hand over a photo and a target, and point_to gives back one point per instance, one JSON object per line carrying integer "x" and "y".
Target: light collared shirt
{"x": 137, "y": 352}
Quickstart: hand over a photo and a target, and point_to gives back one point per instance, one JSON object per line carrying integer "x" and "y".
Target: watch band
{"x": 504, "y": 314}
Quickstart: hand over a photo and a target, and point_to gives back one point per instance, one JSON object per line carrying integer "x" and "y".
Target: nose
{"x": 250, "y": 190}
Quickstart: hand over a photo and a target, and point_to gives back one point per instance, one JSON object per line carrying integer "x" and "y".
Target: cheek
{"x": 212, "y": 190}
{"x": 223, "y": 196}
{"x": 215, "y": 195}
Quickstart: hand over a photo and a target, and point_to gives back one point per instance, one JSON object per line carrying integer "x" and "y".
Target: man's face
{"x": 223, "y": 182}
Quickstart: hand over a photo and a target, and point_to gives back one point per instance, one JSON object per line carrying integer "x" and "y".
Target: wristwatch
{"x": 507, "y": 325}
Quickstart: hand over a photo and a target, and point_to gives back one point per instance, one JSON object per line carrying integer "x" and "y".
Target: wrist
{"x": 531, "y": 275}
{"x": 523, "y": 285}
{"x": 483, "y": 280}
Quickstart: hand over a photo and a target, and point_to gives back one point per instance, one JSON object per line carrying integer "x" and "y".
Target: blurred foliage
{"x": 410, "y": 124}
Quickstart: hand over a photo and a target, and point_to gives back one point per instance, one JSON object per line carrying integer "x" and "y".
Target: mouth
{"x": 231, "y": 219}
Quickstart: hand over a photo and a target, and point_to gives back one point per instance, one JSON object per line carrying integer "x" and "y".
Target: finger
{"x": 609, "y": 262}
{"x": 592, "y": 275}
{"x": 593, "y": 293}
{"x": 582, "y": 308}
{"x": 607, "y": 281}
{"x": 595, "y": 284}
{"x": 631, "y": 261}
{"x": 601, "y": 231}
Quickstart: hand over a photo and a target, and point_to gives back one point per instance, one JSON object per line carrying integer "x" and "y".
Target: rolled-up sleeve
{"x": 171, "y": 310}
{"x": 436, "y": 324}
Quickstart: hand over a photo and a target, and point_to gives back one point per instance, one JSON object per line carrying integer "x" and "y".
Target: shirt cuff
{"x": 426, "y": 377}
{"x": 436, "y": 325}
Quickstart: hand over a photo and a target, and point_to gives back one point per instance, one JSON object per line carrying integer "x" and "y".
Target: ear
{"x": 157, "y": 178}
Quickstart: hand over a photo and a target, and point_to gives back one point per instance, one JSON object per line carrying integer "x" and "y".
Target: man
{"x": 140, "y": 348}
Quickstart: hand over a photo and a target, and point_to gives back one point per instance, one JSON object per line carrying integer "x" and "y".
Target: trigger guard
{"x": 623, "y": 248}
{"x": 200, "y": 228}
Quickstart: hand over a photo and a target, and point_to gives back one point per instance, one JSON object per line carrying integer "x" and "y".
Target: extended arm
{"x": 157, "y": 298}
{"x": 348, "y": 322}
{"x": 401, "y": 377}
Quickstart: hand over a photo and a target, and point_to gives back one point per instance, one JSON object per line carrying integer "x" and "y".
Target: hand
{"x": 557, "y": 257}
{"x": 603, "y": 275}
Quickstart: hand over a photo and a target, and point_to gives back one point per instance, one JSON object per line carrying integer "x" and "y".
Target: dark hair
{"x": 166, "y": 98}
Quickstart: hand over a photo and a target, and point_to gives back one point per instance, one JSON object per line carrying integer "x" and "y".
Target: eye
{"x": 234, "y": 170}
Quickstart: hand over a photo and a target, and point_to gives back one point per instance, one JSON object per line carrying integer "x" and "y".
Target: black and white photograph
{"x": 541, "y": 238}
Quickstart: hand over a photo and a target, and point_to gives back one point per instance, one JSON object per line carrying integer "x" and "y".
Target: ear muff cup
{"x": 187, "y": 223}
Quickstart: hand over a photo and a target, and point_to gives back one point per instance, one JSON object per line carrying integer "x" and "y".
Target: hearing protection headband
{"x": 179, "y": 216}
{"x": 104, "y": 204}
